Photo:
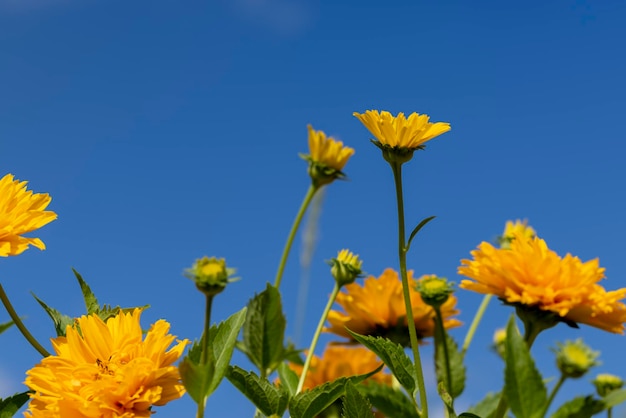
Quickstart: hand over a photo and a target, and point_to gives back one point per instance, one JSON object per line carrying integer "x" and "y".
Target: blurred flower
{"x": 398, "y": 136}
{"x": 434, "y": 290}
{"x": 340, "y": 361}
{"x": 326, "y": 157}
{"x": 346, "y": 267}
{"x": 606, "y": 383}
{"x": 574, "y": 358}
{"x": 105, "y": 370}
{"x": 499, "y": 341}
{"x": 377, "y": 308}
{"x": 531, "y": 276}
{"x": 517, "y": 228}
{"x": 21, "y": 212}
{"x": 210, "y": 274}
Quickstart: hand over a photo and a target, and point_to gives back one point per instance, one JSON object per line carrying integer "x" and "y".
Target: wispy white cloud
{"x": 285, "y": 17}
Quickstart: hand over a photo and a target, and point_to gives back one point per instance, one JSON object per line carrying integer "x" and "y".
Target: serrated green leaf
{"x": 417, "y": 229}
{"x": 614, "y": 398}
{"x": 6, "y": 326}
{"x": 60, "y": 321}
{"x": 523, "y": 385}
{"x": 468, "y": 415}
{"x": 457, "y": 368}
{"x": 91, "y": 303}
{"x": 269, "y": 399}
{"x": 264, "y": 330}
{"x": 9, "y": 406}
{"x": 312, "y": 402}
{"x": 106, "y": 311}
{"x": 580, "y": 407}
{"x": 196, "y": 376}
{"x": 355, "y": 405}
{"x": 222, "y": 339}
{"x": 288, "y": 378}
{"x": 487, "y": 407}
{"x": 446, "y": 398}
{"x": 393, "y": 356}
{"x": 391, "y": 402}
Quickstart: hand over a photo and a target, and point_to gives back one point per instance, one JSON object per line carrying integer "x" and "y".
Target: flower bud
{"x": 499, "y": 341}
{"x": 606, "y": 383}
{"x": 519, "y": 229}
{"x": 574, "y": 358}
{"x": 210, "y": 275}
{"x": 434, "y": 290}
{"x": 346, "y": 267}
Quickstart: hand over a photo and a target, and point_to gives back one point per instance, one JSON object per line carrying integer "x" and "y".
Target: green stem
{"x": 477, "y": 318}
{"x": 204, "y": 355}
{"x": 294, "y": 228}
{"x": 397, "y": 176}
{"x": 446, "y": 356}
{"x": 553, "y": 394}
{"x": 20, "y": 325}
{"x": 316, "y": 336}
{"x": 609, "y": 413}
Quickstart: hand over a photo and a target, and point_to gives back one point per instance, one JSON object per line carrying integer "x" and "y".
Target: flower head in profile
{"x": 340, "y": 361}
{"x": 398, "y": 136}
{"x": 377, "y": 308}
{"x": 21, "y": 212}
{"x": 512, "y": 229}
{"x": 210, "y": 274}
{"x": 326, "y": 157}
{"x": 575, "y": 358}
{"x": 107, "y": 370}
{"x": 536, "y": 279}
{"x": 346, "y": 267}
{"x": 606, "y": 383}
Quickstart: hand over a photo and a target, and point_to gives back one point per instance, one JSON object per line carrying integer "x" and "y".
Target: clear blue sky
{"x": 169, "y": 130}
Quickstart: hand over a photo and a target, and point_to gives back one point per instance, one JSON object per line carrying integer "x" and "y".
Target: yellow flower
{"x": 340, "y": 361}
{"x": 574, "y": 358}
{"x": 210, "y": 275}
{"x": 531, "y": 275}
{"x": 105, "y": 370}
{"x": 400, "y": 131}
{"x": 517, "y": 228}
{"x": 377, "y": 308}
{"x": 606, "y": 383}
{"x": 346, "y": 267}
{"x": 21, "y": 211}
{"x": 326, "y": 157}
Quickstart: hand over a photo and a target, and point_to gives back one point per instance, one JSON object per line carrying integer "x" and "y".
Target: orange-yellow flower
{"x": 21, "y": 212}
{"x": 400, "y": 131}
{"x": 377, "y": 308}
{"x": 340, "y": 361}
{"x": 531, "y": 274}
{"x": 327, "y": 150}
{"x": 106, "y": 370}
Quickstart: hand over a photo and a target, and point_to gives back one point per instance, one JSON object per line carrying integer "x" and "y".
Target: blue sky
{"x": 166, "y": 131}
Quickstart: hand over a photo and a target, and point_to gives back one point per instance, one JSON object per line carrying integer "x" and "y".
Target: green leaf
{"x": 91, "y": 303}
{"x": 9, "y": 406}
{"x": 393, "y": 356}
{"x": 388, "y": 400}
{"x": 312, "y": 402}
{"x": 457, "y": 368}
{"x": 417, "y": 229}
{"x": 580, "y": 407}
{"x": 288, "y": 378}
{"x": 614, "y": 398}
{"x": 355, "y": 405}
{"x": 60, "y": 321}
{"x": 468, "y": 415}
{"x": 264, "y": 330}
{"x": 523, "y": 386}
{"x": 196, "y": 377}
{"x": 447, "y": 399}
{"x": 487, "y": 407}
{"x": 6, "y": 326}
{"x": 269, "y": 399}
{"x": 222, "y": 339}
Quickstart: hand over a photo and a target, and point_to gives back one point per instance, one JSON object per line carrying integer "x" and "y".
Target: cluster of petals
{"x": 531, "y": 274}
{"x": 400, "y": 131}
{"x": 21, "y": 212}
{"x": 107, "y": 370}
{"x": 377, "y": 308}
{"x": 328, "y": 151}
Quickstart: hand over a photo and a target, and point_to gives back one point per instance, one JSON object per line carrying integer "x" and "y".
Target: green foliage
{"x": 91, "y": 302}
{"x": 312, "y": 402}
{"x": 487, "y": 407}
{"x": 60, "y": 321}
{"x": 264, "y": 330}
{"x": 523, "y": 386}
{"x": 355, "y": 405}
{"x": 196, "y": 376}
{"x": 288, "y": 378}
{"x": 394, "y": 357}
{"x": 388, "y": 400}
{"x": 580, "y": 407}
{"x": 268, "y": 398}
{"x": 457, "y": 368}
{"x": 614, "y": 398}
{"x": 6, "y": 326}
{"x": 417, "y": 229}
{"x": 9, "y": 406}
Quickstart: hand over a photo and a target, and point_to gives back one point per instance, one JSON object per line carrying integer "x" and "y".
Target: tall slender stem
{"x": 419, "y": 374}
{"x": 553, "y": 394}
{"x": 316, "y": 336}
{"x": 294, "y": 228}
{"x": 477, "y": 318}
{"x": 446, "y": 355}
{"x": 20, "y": 325}
{"x": 204, "y": 355}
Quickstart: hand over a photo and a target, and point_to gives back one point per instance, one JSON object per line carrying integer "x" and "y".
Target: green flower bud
{"x": 606, "y": 383}
{"x": 434, "y": 290}
{"x": 210, "y": 275}
{"x": 346, "y": 267}
{"x": 499, "y": 341}
{"x": 574, "y": 358}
